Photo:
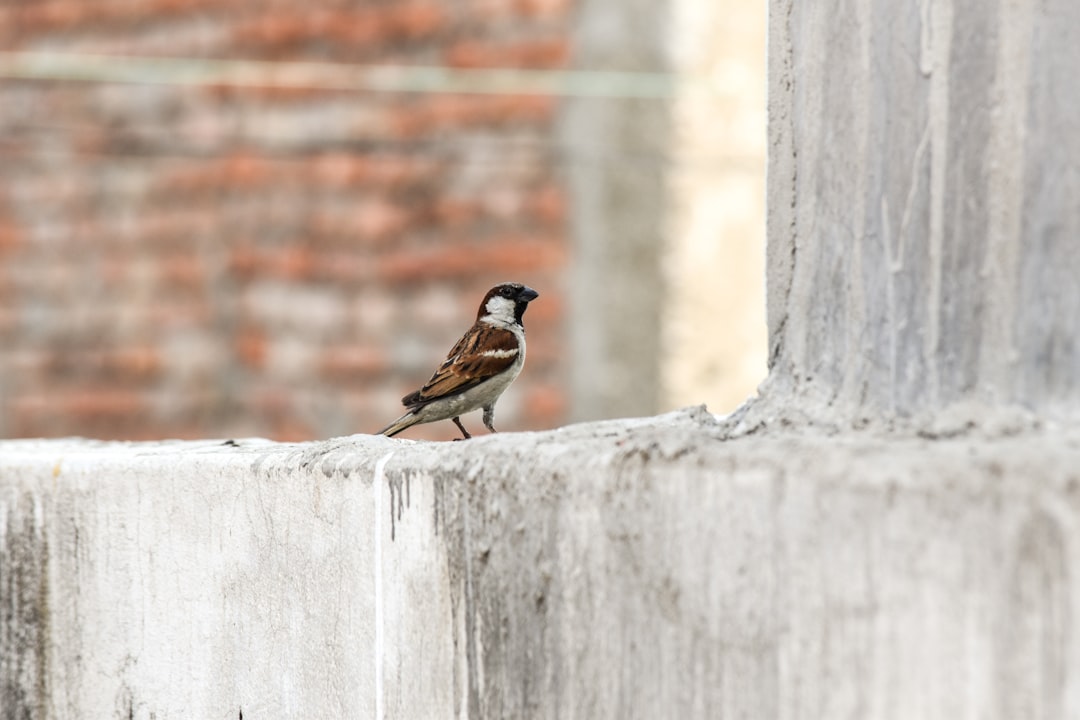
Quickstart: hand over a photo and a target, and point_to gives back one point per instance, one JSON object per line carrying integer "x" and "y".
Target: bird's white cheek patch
{"x": 500, "y": 353}
{"x": 502, "y": 308}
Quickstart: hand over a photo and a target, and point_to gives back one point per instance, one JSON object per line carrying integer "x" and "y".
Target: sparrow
{"x": 478, "y": 368}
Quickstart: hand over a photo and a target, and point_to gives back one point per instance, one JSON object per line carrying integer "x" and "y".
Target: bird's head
{"x": 507, "y": 302}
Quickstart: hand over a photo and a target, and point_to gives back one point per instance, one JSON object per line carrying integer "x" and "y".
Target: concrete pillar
{"x": 923, "y": 212}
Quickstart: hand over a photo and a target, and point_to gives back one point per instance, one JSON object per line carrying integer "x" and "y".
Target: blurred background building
{"x": 230, "y": 219}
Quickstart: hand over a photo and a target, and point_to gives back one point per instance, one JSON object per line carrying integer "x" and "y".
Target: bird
{"x": 479, "y": 367}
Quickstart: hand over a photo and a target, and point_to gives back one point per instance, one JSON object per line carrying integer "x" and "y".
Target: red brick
{"x": 52, "y": 15}
{"x": 549, "y": 308}
{"x": 353, "y": 362}
{"x": 547, "y": 205}
{"x": 530, "y": 107}
{"x": 544, "y": 405}
{"x": 136, "y": 363}
{"x": 517, "y": 255}
{"x": 289, "y": 429}
{"x": 251, "y": 348}
{"x": 537, "y": 54}
{"x": 355, "y": 27}
{"x": 10, "y": 237}
{"x": 102, "y": 403}
{"x": 275, "y": 408}
{"x": 9, "y": 321}
{"x": 185, "y": 271}
{"x": 202, "y": 177}
{"x": 340, "y": 170}
{"x": 341, "y": 267}
{"x": 543, "y": 8}
{"x": 447, "y": 112}
{"x": 244, "y": 260}
{"x": 408, "y": 121}
{"x": 337, "y": 169}
{"x": 193, "y": 311}
{"x": 244, "y": 169}
{"x": 125, "y": 366}
{"x": 505, "y": 256}
{"x": 442, "y": 111}
{"x": 408, "y": 266}
{"x": 154, "y": 7}
{"x": 172, "y": 227}
{"x": 455, "y": 212}
{"x": 295, "y": 263}
{"x": 238, "y": 170}
{"x": 377, "y": 24}
{"x": 415, "y": 20}
{"x": 271, "y": 28}
{"x": 375, "y": 219}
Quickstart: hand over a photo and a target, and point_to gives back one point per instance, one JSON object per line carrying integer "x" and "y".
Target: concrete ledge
{"x": 632, "y": 569}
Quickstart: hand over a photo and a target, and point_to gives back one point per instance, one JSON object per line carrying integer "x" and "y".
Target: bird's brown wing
{"x": 480, "y": 354}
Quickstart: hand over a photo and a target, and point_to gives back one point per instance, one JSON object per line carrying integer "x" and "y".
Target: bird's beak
{"x": 527, "y": 294}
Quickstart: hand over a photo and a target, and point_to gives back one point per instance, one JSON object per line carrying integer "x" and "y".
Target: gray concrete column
{"x": 924, "y": 207}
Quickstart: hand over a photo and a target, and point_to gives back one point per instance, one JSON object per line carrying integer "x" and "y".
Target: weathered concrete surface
{"x": 636, "y": 569}
{"x": 924, "y": 170}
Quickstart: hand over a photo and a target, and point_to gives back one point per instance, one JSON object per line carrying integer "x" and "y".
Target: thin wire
{"x": 96, "y": 68}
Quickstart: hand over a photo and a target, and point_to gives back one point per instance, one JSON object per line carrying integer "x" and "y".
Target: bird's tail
{"x": 405, "y": 421}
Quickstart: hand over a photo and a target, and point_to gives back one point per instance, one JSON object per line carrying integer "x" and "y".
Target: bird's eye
{"x": 507, "y": 292}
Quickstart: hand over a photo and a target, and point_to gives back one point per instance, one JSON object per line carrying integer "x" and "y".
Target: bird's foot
{"x": 457, "y": 421}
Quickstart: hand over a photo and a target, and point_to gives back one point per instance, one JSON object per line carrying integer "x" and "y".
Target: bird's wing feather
{"x": 483, "y": 352}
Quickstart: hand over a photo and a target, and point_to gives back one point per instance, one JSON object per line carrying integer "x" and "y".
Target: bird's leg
{"x": 457, "y": 421}
{"x": 489, "y": 417}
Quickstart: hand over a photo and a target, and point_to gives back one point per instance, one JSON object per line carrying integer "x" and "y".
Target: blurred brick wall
{"x": 220, "y": 261}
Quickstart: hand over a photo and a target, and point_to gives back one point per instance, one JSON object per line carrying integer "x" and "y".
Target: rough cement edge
{"x": 39, "y": 460}
{"x": 775, "y": 413}
{"x": 767, "y": 418}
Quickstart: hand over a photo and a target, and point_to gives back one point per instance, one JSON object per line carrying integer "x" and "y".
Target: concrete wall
{"x": 633, "y": 569}
{"x": 776, "y": 564}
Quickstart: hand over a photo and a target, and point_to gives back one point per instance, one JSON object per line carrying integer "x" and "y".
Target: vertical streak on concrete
{"x": 895, "y": 256}
{"x": 781, "y": 173}
{"x": 379, "y": 481}
{"x": 802, "y": 103}
{"x": 934, "y": 60}
{"x": 854, "y": 373}
{"x": 890, "y": 256}
{"x": 1005, "y": 197}
{"x": 1037, "y": 624}
{"x": 1048, "y": 298}
{"x": 470, "y": 708}
{"x": 24, "y": 609}
{"x": 787, "y": 287}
